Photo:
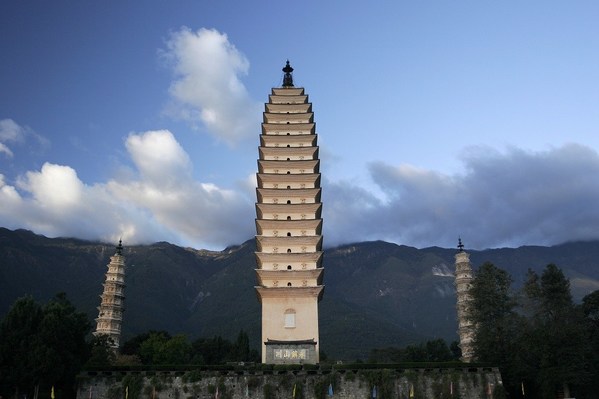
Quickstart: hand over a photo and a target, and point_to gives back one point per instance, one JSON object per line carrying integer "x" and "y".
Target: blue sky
{"x": 436, "y": 119}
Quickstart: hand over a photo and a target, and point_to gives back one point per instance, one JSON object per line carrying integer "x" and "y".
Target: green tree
{"x": 214, "y": 350}
{"x": 62, "y": 336}
{"x": 101, "y": 351}
{"x": 43, "y": 346}
{"x": 131, "y": 346}
{"x": 176, "y": 351}
{"x": 430, "y": 351}
{"x": 559, "y": 337}
{"x": 438, "y": 351}
{"x": 18, "y": 332}
{"x": 499, "y": 328}
{"x": 161, "y": 348}
{"x": 241, "y": 348}
{"x": 492, "y": 309}
{"x": 590, "y": 309}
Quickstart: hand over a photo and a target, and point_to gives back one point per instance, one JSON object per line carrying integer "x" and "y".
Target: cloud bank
{"x": 509, "y": 198}
{"x": 207, "y": 90}
{"x": 158, "y": 201}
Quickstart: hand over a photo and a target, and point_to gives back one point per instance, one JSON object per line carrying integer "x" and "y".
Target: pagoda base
{"x": 291, "y": 352}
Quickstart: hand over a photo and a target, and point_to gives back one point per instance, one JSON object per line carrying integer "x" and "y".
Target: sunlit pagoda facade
{"x": 289, "y": 227}
{"x": 110, "y": 311}
{"x": 463, "y": 282}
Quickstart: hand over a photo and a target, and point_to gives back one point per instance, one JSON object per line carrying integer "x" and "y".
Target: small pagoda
{"x": 463, "y": 282}
{"x": 110, "y": 311}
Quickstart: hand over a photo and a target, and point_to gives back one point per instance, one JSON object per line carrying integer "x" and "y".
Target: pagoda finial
{"x": 288, "y": 78}
{"x": 119, "y": 248}
{"x": 460, "y": 245}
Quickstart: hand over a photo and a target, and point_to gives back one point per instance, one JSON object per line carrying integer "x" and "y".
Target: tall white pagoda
{"x": 463, "y": 282}
{"x": 110, "y": 311}
{"x": 289, "y": 227}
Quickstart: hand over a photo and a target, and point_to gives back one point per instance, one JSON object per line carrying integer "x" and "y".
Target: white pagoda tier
{"x": 289, "y": 228}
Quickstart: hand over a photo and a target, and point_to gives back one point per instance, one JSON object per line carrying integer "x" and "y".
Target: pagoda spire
{"x": 288, "y": 78}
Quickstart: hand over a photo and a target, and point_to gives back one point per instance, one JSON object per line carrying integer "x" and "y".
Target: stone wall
{"x": 463, "y": 383}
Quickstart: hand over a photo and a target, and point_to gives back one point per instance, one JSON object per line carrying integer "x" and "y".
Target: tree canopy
{"x": 537, "y": 336}
{"x": 159, "y": 347}
{"x": 42, "y": 346}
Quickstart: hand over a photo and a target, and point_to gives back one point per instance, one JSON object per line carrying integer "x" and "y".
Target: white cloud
{"x": 159, "y": 157}
{"x": 55, "y": 187}
{"x": 207, "y": 88}
{"x": 505, "y": 198}
{"x": 160, "y": 202}
{"x": 11, "y": 132}
{"x": 4, "y": 149}
{"x": 198, "y": 212}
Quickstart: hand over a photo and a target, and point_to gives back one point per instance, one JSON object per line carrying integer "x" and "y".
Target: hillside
{"x": 377, "y": 294}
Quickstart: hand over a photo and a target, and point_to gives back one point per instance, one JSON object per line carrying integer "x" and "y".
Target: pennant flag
{"x": 90, "y": 392}
{"x": 52, "y": 392}
{"x": 247, "y": 391}
{"x": 374, "y": 392}
{"x": 411, "y": 390}
{"x": 331, "y": 390}
{"x": 451, "y": 388}
{"x": 523, "y": 388}
{"x": 216, "y": 394}
{"x": 489, "y": 392}
{"x": 294, "y": 385}
{"x": 127, "y": 392}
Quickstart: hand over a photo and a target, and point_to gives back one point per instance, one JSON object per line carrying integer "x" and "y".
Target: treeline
{"x": 160, "y": 348}
{"x": 44, "y": 347}
{"x": 435, "y": 350}
{"x": 544, "y": 344}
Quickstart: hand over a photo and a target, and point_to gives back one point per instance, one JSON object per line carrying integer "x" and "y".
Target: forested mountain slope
{"x": 377, "y": 294}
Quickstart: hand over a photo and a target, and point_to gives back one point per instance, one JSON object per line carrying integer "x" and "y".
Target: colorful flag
{"x": 52, "y": 392}
{"x": 411, "y": 390}
{"x": 374, "y": 392}
{"x": 451, "y": 388}
{"x": 331, "y": 390}
{"x": 522, "y": 384}
{"x": 216, "y": 394}
{"x": 127, "y": 392}
{"x": 294, "y": 385}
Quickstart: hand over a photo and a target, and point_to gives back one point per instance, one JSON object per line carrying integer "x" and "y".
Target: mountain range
{"x": 377, "y": 294}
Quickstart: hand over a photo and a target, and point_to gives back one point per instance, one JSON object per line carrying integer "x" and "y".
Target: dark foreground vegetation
{"x": 543, "y": 343}
{"x": 44, "y": 347}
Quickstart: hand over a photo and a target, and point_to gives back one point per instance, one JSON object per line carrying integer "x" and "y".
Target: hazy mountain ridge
{"x": 377, "y": 294}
